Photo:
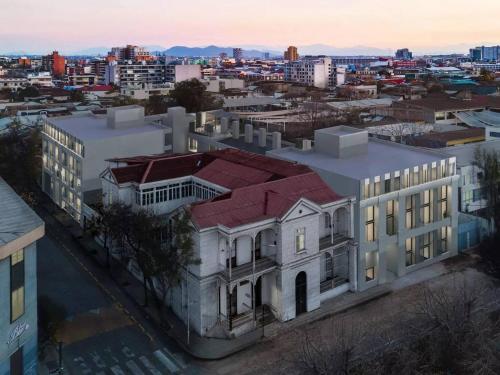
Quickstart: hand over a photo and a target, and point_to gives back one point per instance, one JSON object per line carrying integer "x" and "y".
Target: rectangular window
{"x": 443, "y": 240}
{"x": 410, "y": 212}
{"x": 370, "y": 262}
{"x": 443, "y": 202}
{"x": 390, "y": 218}
{"x": 397, "y": 183}
{"x": 376, "y": 188}
{"x": 16, "y": 285}
{"x": 426, "y": 207}
{"x": 300, "y": 240}
{"x": 370, "y": 223}
{"x": 410, "y": 251}
{"x": 387, "y": 186}
{"x": 425, "y": 249}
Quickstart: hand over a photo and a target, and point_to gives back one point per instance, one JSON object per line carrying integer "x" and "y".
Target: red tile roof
{"x": 260, "y": 202}
{"x": 231, "y": 175}
{"x": 261, "y": 187}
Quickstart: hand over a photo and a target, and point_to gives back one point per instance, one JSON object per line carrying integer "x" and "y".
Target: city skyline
{"x": 78, "y": 26}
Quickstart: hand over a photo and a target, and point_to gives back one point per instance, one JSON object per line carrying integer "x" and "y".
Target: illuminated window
{"x": 370, "y": 223}
{"x": 410, "y": 251}
{"x": 300, "y": 239}
{"x": 16, "y": 285}
{"x": 390, "y": 218}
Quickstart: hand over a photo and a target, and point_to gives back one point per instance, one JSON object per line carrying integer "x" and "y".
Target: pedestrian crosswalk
{"x": 159, "y": 362}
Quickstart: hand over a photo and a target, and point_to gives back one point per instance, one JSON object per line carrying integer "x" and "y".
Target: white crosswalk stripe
{"x": 166, "y": 361}
{"x": 134, "y": 368}
{"x": 117, "y": 370}
{"x": 153, "y": 370}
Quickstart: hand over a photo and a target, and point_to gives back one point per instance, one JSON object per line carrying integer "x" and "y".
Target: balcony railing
{"x": 330, "y": 241}
{"x": 332, "y": 283}
{"x": 262, "y": 265}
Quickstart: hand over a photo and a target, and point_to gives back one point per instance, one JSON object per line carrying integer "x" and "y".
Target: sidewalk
{"x": 214, "y": 348}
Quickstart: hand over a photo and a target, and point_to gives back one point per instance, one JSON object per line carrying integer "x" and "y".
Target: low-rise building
{"x": 182, "y": 72}
{"x": 75, "y": 149}
{"x": 405, "y": 216}
{"x": 272, "y": 237}
{"x": 20, "y": 228}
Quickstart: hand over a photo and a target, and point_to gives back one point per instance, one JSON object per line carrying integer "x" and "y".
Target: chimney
{"x": 262, "y": 137}
{"x": 248, "y": 133}
{"x": 306, "y": 144}
{"x": 276, "y": 140}
{"x": 224, "y": 125}
{"x": 235, "y": 128}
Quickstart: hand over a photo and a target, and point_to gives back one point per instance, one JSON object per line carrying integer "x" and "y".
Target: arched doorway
{"x": 300, "y": 293}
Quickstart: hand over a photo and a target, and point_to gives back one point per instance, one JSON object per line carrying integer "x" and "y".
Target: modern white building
{"x": 133, "y": 73}
{"x": 144, "y": 91}
{"x": 182, "y": 72}
{"x": 75, "y": 149}
{"x": 217, "y": 84}
{"x": 273, "y": 238}
{"x": 43, "y": 79}
{"x": 319, "y": 73}
{"x": 406, "y": 214}
{"x": 472, "y": 194}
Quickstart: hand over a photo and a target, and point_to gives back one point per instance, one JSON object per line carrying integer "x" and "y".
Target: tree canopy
{"x": 192, "y": 95}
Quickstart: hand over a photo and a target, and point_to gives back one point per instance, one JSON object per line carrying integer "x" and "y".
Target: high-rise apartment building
{"x": 54, "y": 63}
{"x": 485, "y": 53}
{"x": 237, "y": 54}
{"x": 130, "y": 52}
{"x": 404, "y": 54}
{"x": 291, "y": 54}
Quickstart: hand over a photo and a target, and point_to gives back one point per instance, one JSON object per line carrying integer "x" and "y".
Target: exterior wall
{"x": 27, "y": 323}
{"x": 70, "y": 195}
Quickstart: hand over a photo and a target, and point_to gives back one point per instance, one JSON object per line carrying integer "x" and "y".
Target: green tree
{"x": 20, "y": 157}
{"x": 120, "y": 101}
{"x": 488, "y": 163}
{"x": 27, "y": 92}
{"x": 155, "y": 105}
{"x": 486, "y": 75}
{"x": 77, "y": 96}
{"x": 192, "y": 95}
{"x": 162, "y": 256}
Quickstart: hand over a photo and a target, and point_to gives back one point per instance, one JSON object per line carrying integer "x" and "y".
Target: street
{"x": 104, "y": 332}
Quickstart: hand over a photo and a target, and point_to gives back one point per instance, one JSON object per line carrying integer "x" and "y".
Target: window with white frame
{"x": 300, "y": 239}
{"x": 370, "y": 223}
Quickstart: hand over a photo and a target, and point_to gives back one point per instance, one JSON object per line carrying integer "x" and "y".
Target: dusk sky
{"x": 423, "y": 25}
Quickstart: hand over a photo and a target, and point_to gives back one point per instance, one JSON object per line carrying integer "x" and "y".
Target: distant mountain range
{"x": 259, "y": 50}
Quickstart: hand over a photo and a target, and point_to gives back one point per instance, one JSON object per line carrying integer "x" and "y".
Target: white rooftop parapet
{"x": 224, "y": 125}
{"x": 248, "y": 133}
{"x": 235, "y": 129}
{"x": 262, "y": 137}
{"x": 276, "y": 140}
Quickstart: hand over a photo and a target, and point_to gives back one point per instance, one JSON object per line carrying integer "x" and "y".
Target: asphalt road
{"x": 104, "y": 332}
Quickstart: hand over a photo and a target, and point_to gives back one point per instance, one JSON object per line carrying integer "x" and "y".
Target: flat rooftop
{"x": 94, "y": 127}
{"x": 465, "y": 153}
{"x": 381, "y": 157}
{"x": 16, "y": 217}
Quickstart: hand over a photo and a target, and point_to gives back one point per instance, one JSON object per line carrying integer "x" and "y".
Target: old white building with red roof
{"x": 273, "y": 239}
